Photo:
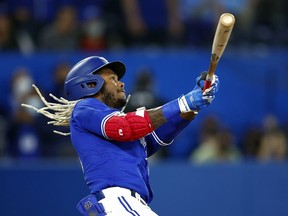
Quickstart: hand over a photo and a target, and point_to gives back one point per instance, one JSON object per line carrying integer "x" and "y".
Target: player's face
{"x": 112, "y": 93}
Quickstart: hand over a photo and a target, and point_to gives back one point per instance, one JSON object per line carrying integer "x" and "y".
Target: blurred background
{"x": 231, "y": 160}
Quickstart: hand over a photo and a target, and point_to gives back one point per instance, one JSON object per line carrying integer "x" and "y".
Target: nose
{"x": 121, "y": 84}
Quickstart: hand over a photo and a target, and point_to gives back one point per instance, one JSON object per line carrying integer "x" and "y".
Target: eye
{"x": 113, "y": 78}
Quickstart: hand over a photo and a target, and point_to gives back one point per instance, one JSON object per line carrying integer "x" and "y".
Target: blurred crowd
{"x": 94, "y": 25}
{"x": 266, "y": 142}
{"x": 24, "y": 132}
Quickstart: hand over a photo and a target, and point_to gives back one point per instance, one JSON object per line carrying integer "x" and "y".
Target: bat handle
{"x": 212, "y": 67}
{"x": 207, "y": 85}
{"x": 208, "y": 82}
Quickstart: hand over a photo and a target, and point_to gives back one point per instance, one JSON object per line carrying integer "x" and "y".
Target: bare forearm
{"x": 159, "y": 119}
{"x": 188, "y": 116}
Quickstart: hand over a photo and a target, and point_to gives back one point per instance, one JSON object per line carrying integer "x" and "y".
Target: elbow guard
{"x": 128, "y": 127}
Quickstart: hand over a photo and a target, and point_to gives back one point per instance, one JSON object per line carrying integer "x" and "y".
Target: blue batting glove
{"x": 210, "y": 92}
{"x": 196, "y": 99}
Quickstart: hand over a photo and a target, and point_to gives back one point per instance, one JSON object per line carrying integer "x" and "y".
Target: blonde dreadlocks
{"x": 59, "y": 112}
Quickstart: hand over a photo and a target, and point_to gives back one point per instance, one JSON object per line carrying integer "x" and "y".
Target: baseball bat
{"x": 221, "y": 38}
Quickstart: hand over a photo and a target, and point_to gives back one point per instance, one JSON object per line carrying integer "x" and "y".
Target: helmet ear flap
{"x": 84, "y": 86}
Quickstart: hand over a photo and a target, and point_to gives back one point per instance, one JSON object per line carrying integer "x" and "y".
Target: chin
{"x": 122, "y": 102}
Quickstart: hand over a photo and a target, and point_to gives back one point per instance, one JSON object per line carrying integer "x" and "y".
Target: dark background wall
{"x": 243, "y": 189}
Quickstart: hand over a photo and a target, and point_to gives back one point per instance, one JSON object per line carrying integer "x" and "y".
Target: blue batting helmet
{"x": 85, "y": 72}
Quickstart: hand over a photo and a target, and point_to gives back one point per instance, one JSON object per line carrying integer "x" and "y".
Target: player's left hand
{"x": 197, "y": 99}
{"x": 208, "y": 94}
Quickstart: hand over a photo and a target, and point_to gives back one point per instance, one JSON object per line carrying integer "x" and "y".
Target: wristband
{"x": 171, "y": 109}
{"x": 176, "y": 107}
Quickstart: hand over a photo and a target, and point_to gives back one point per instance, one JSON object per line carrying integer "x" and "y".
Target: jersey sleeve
{"x": 165, "y": 135}
{"x": 91, "y": 118}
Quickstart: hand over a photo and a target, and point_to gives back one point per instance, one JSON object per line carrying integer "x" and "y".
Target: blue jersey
{"x": 107, "y": 163}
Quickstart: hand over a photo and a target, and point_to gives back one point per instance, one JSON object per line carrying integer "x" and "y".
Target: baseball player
{"x": 113, "y": 146}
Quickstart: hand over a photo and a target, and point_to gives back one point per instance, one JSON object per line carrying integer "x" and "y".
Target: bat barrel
{"x": 221, "y": 38}
{"x": 227, "y": 19}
